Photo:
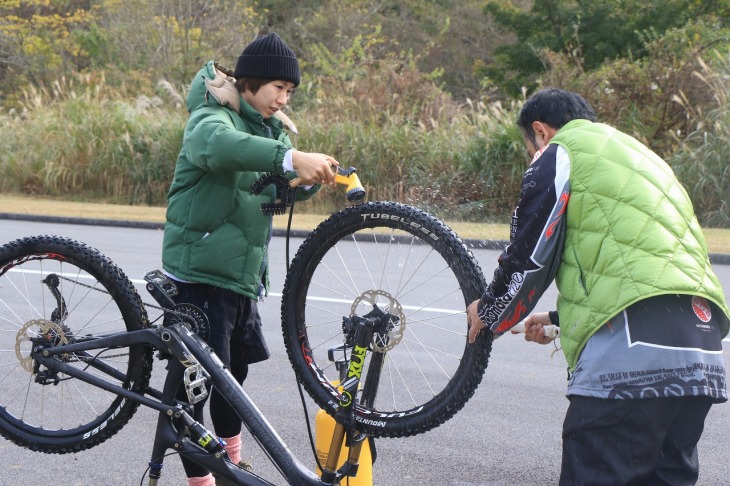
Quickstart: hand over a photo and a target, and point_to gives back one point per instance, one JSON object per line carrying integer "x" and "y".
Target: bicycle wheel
{"x": 64, "y": 290}
{"x": 410, "y": 265}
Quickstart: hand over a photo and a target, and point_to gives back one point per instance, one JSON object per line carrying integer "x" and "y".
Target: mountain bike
{"x": 379, "y": 288}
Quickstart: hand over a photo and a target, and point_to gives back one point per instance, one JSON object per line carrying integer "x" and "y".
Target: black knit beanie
{"x": 268, "y": 57}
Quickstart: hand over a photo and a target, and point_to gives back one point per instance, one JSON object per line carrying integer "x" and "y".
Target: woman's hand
{"x": 314, "y": 168}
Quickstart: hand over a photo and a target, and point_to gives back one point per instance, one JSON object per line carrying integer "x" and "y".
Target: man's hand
{"x": 534, "y": 328}
{"x": 474, "y": 321}
{"x": 314, "y": 168}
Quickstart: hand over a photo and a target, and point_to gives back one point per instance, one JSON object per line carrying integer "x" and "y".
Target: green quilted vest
{"x": 631, "y": 234}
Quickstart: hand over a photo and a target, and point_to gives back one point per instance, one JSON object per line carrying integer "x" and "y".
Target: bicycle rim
{"x": 413, "y": 267}
{"x": 64, "y": 290}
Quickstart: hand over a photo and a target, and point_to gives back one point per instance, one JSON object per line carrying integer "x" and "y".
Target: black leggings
{"x": 235, "y": 336}
{"x": 225, "y": 420}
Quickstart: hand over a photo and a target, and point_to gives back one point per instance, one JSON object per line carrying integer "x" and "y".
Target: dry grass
{"x": 718, "y": 240}
{"x": 54, "y": 207}
{"x": 18, "y": 204}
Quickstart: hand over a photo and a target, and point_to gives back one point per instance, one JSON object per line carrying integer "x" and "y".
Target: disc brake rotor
{"x": 54, "y": 333}
{"x": 390, "y": 305}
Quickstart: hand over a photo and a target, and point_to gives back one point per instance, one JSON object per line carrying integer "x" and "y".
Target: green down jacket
{"x": 631, "y": 234}
{"x": 215, "y": 231}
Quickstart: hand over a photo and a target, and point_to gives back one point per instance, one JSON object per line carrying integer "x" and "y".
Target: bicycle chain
{"x": 103, "y": 291}
{"x": 146, "y": 304}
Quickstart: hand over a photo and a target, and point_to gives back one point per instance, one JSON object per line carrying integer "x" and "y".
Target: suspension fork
{"x": 345, "y": 425}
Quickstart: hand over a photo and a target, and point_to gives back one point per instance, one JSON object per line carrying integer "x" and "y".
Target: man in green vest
{"x": 641, "y": 313}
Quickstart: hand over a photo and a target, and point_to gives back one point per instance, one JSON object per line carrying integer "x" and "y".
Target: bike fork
{"x": 330, "y": 473}
{"x": 345, "y": 430}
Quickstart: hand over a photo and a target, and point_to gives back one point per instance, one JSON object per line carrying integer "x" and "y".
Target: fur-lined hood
{"x": 215, "y": 85}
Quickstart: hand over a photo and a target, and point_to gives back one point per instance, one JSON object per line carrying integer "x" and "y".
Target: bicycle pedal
{"x": 161, "y": 287}
{"x": 194, "y": 380}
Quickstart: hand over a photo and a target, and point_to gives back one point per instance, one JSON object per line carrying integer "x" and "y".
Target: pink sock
{"x": 233, "y": 448}
{"x": 208, "y": 480}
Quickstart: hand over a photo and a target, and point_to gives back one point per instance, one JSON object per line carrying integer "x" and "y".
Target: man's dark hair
{"x": 554, "y": 107}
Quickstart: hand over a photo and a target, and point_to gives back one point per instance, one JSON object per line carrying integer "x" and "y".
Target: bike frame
{"x": 186, "y": 350}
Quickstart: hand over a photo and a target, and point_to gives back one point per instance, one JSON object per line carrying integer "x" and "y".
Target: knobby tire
{"x": 97, "y": 297}
{"x": 409, "y": 262}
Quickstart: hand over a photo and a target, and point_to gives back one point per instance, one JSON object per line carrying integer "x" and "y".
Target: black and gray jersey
{"x": 527, "y": 267}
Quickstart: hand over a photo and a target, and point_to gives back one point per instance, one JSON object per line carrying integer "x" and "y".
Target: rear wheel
{"x": 401, "y": 263}
{"x": 63, "y": 290}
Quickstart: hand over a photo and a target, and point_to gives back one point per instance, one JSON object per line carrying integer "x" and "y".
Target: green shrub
{"x": 701, "y": 161}
{"x": 84, "y": 139}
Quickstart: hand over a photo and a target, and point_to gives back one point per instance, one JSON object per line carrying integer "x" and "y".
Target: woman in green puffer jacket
{"x": 216, "y": 235}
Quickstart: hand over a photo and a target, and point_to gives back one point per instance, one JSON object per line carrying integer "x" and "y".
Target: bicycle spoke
{"x": 52, "y": 291}
{"x": 363, "y": 261}
{"x": 420, "y": 370}
{"x": 414, "y": 272}
{"x": 405, "y": 387}
{"x": 412, "y": 278}
{"x": 414, "y": 264}
{"x": 346, "y": 269}
{"x": 383, "y": 263}
{"x": 336, "y": 276}
{"x": 424, "y": 282}
{"x": 426, "y": 322}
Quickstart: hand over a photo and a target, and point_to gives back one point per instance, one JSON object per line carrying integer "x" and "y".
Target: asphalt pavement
{"x": 507, "y": 434}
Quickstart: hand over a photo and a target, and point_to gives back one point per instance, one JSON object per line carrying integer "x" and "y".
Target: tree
{"x": 39, "y": 38}
{"x": 591, "y": 32}
{"x": 448, "y": 39}
{"x": 175, "y": 37}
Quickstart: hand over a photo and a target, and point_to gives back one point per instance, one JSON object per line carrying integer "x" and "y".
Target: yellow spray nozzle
{"x": 348, "y": 177}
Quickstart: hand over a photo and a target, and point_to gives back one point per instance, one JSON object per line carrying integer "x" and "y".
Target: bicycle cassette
{"x": 190, "y": 316}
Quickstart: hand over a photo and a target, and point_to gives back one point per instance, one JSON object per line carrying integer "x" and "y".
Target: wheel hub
{"x": 386, "y": 340}
{"x": 53, "y": 334}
